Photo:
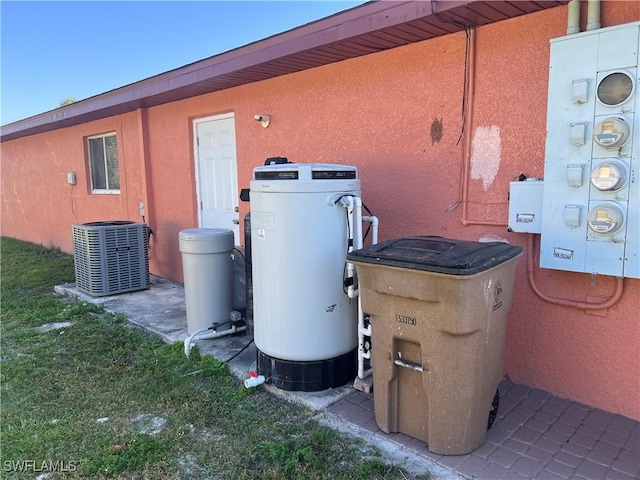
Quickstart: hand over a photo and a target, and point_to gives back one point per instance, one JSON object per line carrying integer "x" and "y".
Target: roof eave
{"x": 335, "y": 38}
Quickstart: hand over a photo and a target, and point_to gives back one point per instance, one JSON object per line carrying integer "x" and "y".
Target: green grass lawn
{"x": 100, "y": 398}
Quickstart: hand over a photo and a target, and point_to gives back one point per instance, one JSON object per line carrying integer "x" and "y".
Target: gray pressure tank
{"x": 208, "y": 276}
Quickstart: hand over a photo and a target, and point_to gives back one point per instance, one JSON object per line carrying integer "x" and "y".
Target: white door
{"x": 217, "y": 173}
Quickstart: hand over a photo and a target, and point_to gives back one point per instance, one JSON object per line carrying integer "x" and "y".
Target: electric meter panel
{"x": 591, "y": 200}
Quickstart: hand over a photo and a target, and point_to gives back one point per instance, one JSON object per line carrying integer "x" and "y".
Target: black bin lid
{"x": 437, "y": 254}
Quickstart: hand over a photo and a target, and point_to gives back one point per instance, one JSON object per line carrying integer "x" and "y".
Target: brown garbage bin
{"x": 438, "y": 311}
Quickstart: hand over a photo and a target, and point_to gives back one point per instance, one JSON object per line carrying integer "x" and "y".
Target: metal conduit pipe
{"x": 617, "y": 294}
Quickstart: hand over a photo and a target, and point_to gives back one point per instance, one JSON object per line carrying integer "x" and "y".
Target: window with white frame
{"x": 103, "y": 163}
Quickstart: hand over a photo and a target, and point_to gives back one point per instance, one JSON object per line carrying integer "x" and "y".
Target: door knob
{"x": 236, "y": 221}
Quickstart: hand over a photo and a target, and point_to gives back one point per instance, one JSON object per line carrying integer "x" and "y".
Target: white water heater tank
{"x": 305, "y": 325}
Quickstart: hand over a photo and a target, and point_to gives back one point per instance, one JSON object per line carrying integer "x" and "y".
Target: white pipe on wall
{"x": 573, "y": 17}
{"x": 593, "y": 14}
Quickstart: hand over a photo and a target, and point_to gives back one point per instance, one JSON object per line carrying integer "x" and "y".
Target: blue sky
{"x": 51, "y": 51}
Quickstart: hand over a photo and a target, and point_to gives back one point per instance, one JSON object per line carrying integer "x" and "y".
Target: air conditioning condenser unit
{"x": 110, "y": 257}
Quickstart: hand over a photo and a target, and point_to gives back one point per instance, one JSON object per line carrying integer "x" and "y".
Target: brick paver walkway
{"x": 535, "y": 436}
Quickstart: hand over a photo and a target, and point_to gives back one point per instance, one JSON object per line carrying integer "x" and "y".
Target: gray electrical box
{"x": 525, "y": 206}
{"x": 591, "y": 202}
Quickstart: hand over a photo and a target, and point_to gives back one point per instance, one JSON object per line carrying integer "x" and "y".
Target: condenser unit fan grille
{"x": 110, "y": 257}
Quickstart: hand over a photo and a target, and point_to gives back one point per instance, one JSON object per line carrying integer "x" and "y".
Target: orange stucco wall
{"x": 380, "y": 113}
{"x": 37, "y": 203}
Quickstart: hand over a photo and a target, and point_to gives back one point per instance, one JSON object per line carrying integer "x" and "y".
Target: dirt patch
{"x": 148, "y": 424}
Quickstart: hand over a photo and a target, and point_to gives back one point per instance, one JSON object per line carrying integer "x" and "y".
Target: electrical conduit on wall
{"x": 468, "y": 171}
{"x": 146, "y": 206}
{"x": 617, "y": 294}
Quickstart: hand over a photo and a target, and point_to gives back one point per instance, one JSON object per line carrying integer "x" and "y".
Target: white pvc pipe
{"x": 357, "y": 239}
{"x": 573, "y": 17}
{"x": 197, "y": 335}
{"x": 366, "y": 331}
{"x": 254, "y": 381}
{"x": 362, "y": 330}
{"x": 374, "y": 223}
{"x": 347, "y": 203}
{"x": 593, "y": 14}
{"x": 361, "y": 335}
{"x": 353, "y": 204}
{"x": 357, "y": 220}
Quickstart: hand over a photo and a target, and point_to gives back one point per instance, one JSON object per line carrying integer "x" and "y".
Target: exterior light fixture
{"x": 265, "y": 120}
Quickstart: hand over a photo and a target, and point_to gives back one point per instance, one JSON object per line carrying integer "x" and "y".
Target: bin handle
{"x": 410, "y": 365}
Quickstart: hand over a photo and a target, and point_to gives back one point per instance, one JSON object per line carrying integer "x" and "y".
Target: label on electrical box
{"x": 525, "y": 218}
{"x": 563, "y": 253}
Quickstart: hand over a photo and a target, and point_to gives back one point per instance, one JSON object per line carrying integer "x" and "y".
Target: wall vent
{"x": 110, "y": 257}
